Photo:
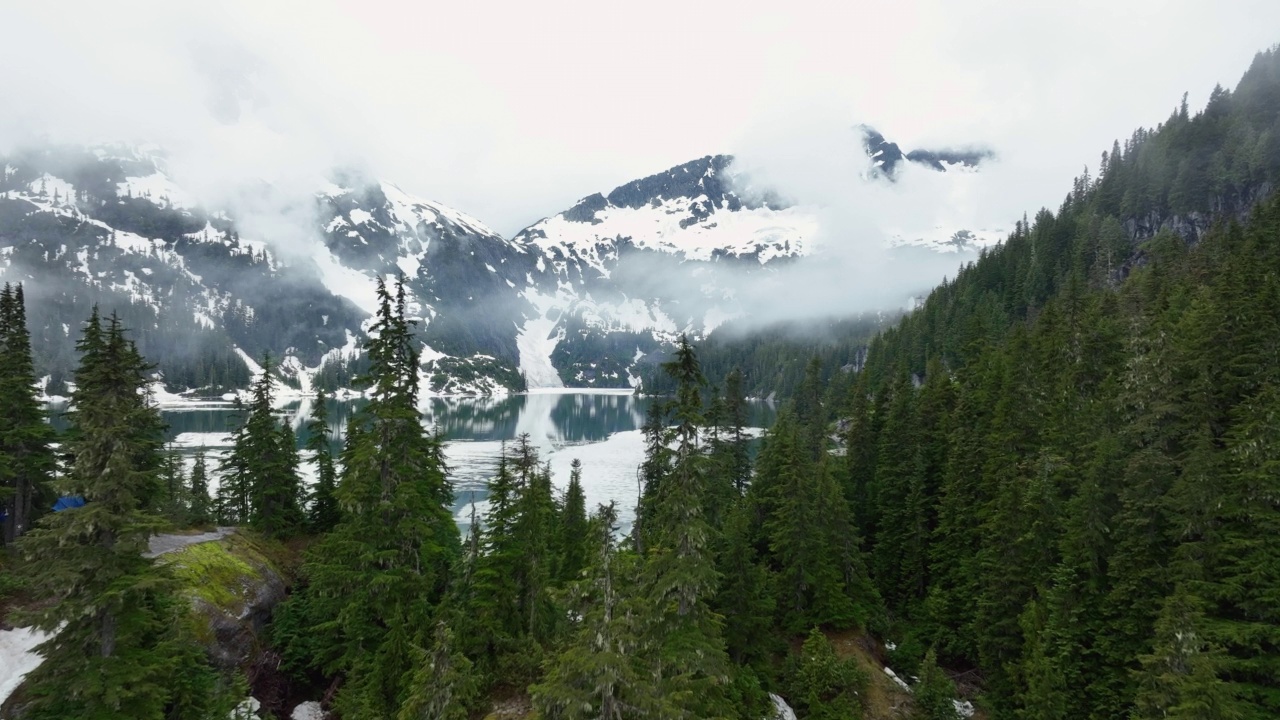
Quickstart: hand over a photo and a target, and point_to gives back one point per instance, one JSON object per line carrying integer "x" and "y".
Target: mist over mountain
{"x": 585, "y": 297}
{"x": 886, "y": 156}
{"x": 324, "y": 330}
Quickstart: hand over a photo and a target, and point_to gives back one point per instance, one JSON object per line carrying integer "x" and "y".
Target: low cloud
{"x": 819, "y": 163}
{"x": 512, "y": 118}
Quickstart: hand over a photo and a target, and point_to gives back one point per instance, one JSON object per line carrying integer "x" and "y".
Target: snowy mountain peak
{"x": 584, "y": 297}
{"x": 691, "y": 211}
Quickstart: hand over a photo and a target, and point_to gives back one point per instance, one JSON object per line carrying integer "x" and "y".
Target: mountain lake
{"x": 600, "y": 428}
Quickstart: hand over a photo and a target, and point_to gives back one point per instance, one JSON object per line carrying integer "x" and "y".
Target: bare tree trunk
{"x": 107, "y": 628}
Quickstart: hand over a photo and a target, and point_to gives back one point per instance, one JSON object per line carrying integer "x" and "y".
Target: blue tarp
{"x": 66, "y": 502}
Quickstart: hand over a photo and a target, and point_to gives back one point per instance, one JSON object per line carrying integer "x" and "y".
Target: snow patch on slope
{"x": 156, "y": 187}
{"x": 347, "y": 282}
{"x": 411, "y": 211}
{"x": 18, "y": 657}
{"x": 536, "y": 341}
{"x": 666, "y": 227}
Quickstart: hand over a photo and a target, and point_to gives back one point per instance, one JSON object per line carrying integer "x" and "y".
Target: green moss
{"x": 223, "y": 574}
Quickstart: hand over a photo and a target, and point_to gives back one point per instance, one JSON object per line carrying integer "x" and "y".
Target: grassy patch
{"x": 883, "y": 698}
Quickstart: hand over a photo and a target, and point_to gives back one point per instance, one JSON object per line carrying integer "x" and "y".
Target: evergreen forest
{"x": 1050, "y": 492}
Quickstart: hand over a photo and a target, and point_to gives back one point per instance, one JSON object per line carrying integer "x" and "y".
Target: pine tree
{"x": 600, "y": 674}
{"x": 201, "y": 511}
{"x": 116, "y": 629}
{"x": 323, "y": 511}
{"x": 378, "y": 575}
{"x": 26, "y": 458}
{"x": 572, "y": 531}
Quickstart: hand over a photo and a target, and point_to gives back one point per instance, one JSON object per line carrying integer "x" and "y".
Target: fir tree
{"x": 860, "y": 455}
{"x": 653, "y": 471}
{"x": 116, "y": 630}
{"x": 323, "y": 510}
{"x": 573, "y": 527}
{"x": 934, "y": 692}
{"x": 175, "y": 500}
{"x": 262, "y": 464}
{"x": 26, "y": 459}
{"x": 821, "y": 578}
{"x": 201, "y": 511}
{"x": 600, "y": 674}
{"x": 494, "y": 603}
{"x": 736, "y": 419}
{"x": 685, "y": 632}
{"x": 1180, "y": 676}
{"x": 443, "y": 685}
{"x": 377, "y": 577}
{"x": 534, "y": 533}
{"x": 745, "y": 598}
{"x": 823, "y": 686}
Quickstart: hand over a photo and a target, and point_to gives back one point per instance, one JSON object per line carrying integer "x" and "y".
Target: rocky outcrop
{"x": 1192, "y": 226}
{"x": 234, "y": 585}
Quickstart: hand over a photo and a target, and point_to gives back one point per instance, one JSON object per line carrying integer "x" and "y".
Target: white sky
{"x": 512, "y": 111}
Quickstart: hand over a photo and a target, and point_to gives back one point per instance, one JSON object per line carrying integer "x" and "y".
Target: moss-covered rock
{"x": 234, "y": 584}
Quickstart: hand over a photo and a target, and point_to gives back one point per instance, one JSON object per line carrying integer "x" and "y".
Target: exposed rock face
{"x": 1192, "y": 226}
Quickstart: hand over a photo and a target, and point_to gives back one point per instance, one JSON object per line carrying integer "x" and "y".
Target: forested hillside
{"x": 773, "y": 359}
{"x": 1080, "y": 501}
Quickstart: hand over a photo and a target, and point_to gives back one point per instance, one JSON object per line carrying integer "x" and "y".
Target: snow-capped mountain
{"x": 584, "y": 297}
{"x": 462, "y": 279}
{"x": 690, "y": 211}
{"x": 106, "y": 227}
{"x": 620, "y": 275}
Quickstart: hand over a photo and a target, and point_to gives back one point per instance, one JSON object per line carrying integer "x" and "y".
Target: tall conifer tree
{"x": 116, "y": 639}
{"x": 323, "y": 511}
{"x": 26, "y": 458}
{"x": 691, "y": 665}
{"x": 376, "y": 578}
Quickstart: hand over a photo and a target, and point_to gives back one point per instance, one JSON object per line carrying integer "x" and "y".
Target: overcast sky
{"x": 512, "y": 111}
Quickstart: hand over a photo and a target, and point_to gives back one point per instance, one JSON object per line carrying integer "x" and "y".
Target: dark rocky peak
{"x": 704, "y": 176}
{"x": 707, "y": 181}
{"x": 887, "y": 157}
{"x": 585, "y": 210}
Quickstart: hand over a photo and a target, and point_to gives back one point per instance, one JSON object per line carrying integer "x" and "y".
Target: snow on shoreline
{"x": 175, "y": 402}
{"x": 577, "y": 391}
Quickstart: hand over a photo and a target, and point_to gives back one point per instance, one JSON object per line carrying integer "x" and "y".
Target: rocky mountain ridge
{"x": 581, "y": 298}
